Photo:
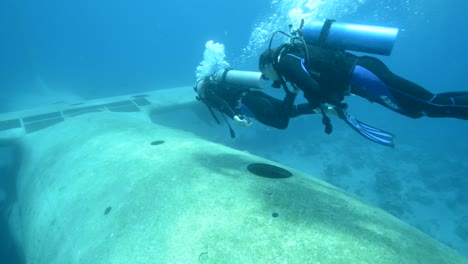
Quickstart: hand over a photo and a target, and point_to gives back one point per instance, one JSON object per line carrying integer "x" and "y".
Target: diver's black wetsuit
{"x": 236, "y": 100}
{"x": 330, "y": 74}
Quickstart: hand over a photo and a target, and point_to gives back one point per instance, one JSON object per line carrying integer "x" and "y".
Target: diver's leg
{"x": 371, "y": 79}
{"x": 302, "y": 109}
{"x": 269, "y": 110}
{"x": 451, "y": 104}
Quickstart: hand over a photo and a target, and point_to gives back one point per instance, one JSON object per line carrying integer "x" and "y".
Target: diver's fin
{"x": 369, "y": 132}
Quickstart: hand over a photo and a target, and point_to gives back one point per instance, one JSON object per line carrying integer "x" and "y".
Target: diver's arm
{"x": 292, "y": 68}
{"x": 306, "y": 109}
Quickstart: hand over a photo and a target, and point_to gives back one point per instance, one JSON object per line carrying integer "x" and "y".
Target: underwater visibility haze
{"x": 69, "y": 51}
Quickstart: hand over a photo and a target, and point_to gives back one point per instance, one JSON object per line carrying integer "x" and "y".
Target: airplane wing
{"x": 16, "y": 124}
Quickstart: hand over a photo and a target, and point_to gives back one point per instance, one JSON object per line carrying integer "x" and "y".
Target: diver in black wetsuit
{"x": 327, "y": 75}
{"x": 316, "y": 62}
{"x": 241, "y": 103}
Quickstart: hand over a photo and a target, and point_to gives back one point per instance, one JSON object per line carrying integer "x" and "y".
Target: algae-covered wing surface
{"x": 106, "y": 187}
{"x": 108, "y": 195}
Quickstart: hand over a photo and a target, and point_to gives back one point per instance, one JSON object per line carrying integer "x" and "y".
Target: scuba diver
{"x": 233, "y": 93}
{"x": 315, "y": 61}
{"x": 237, "y": 95}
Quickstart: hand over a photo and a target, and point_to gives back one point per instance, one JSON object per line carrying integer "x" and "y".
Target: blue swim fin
{"x": 369, "y": 132}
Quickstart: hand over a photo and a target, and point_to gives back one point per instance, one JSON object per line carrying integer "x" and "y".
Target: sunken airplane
{"x": 127, "y": 180}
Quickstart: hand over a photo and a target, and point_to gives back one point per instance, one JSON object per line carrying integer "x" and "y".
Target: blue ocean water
{"x": 55, "y": 50}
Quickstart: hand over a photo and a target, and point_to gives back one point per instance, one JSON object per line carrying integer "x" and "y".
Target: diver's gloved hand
{"x": 243, "y": 122}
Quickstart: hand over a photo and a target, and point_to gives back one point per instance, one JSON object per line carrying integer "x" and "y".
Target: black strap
{"x": 213, "y": 114}
{"x": 225, "y": 104}
{"x": 325, "y": 32}
{"x": 231, "y": 131}
{"x": 223, "y": 78}
{"x": 326, "y": 120}
{"x": 199, "y": 98}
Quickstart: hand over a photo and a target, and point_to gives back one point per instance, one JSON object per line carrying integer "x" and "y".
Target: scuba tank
{"x": 249, "y": 79}
{"x": 242, "y": 78}
{"x": 347, "y": 36}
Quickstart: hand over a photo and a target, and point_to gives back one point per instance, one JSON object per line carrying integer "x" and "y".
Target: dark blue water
{"x": 94, "y": 49}
{"x": 54, "y": 50}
